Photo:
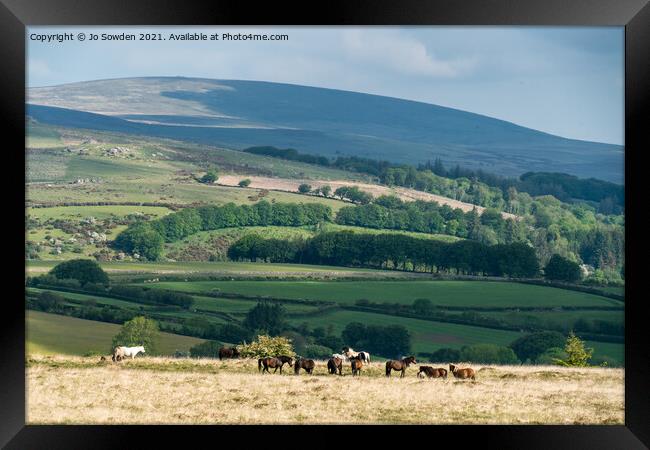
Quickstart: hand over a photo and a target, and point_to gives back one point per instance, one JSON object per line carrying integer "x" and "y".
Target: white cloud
{"x": 401, "y": 54}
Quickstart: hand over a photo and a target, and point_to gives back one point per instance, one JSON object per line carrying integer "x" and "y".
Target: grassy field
{"x": 73, "y": 390}
{"x": 448, "y": 293}
{"x": 54, "y": 334}
{"x": 35, "y": 267}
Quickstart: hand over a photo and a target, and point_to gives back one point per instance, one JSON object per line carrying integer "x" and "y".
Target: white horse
{"x": 365, "y": 357}
{"x": 341, "y": 357}
{"x": 129, "y": 351}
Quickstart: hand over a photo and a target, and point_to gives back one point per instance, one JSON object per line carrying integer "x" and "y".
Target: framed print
{"x": 366, "y": 216}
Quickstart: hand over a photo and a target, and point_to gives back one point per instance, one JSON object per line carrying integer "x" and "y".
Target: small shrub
{"x": 267, "y": 346}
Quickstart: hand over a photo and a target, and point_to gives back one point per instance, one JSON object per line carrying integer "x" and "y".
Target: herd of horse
{"x": 334, "y": 364}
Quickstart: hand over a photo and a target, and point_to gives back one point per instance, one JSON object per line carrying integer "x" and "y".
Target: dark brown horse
{"x": 302, "y": 363}
{"x": 335, "y": 364}
{"x": 430, "y": 372}
{"x": 273, "y": 363}
{"x": 356, "y": 365}
{"x": 462, "y": 373}
{"x": 228, "y": 352}
{"x": 399, "y": 366}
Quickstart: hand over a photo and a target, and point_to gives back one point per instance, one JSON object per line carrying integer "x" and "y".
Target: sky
{"x": 567, "y": 81}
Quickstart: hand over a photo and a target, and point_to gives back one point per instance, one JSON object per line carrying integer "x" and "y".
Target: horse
{"x": 399, "y": 365}
{"x": 432, "y": 373}
{"x": 274, "y": 363}
{"x": 225, "y": 352}
{"x": 350, "y": 353}
{"x": 356, "y": 364}
{"x": 365, "y": 357}
{"x": 341, "y": 357}
{"x": 118, "y": 354}
{"x": 302, "y": 363}
{"x": 335, "y": 364}
{"x": 462, "y": 373}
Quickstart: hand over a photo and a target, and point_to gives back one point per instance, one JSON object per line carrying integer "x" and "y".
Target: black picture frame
{"x": 15, "y": 15}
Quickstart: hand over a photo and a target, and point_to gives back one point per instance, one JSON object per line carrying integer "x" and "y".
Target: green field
{"x": 444, "y": 293}
{"x": 53, "y": 334}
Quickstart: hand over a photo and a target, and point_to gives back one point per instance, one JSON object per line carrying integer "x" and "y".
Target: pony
{"x": 462, "y": 373}
{"x": 365, "y": 357}
{"x": 341, "y": 357}
{"x": 274, "y": 363}
{"x": 399, "y": 366}
{"x": 430, "y": 372}
{"x": 356, "y": 364}
{"x": 350, "y": 353}
{"x": 122, "y": 352}
{"x": 335, "y": 364}
{"x": 225, "y": 352}
{"x": 302, "y": 363}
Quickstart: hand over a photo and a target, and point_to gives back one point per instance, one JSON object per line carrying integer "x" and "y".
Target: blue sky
{"x": 564, "y": 81}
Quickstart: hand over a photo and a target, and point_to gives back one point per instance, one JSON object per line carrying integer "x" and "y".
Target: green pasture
{"x": 52, "y": 334}
{"x": 445, "y": 293}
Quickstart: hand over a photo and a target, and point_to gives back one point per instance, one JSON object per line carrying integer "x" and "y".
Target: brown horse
{"x": 302, "y": 363}
{"x": 273, "y": 363}
{"x": 225, "y": 352}
{"x": 399, "y": 366}
{"x": 462, "y": 373}
{"x": 356, "y": 365}
{"x": 430, "y": 372}
{"x": 335, "y": 364}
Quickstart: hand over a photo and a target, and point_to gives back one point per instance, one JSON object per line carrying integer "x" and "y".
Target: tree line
{"x": 147, "y": 238}
{"x": 392, "y": 251}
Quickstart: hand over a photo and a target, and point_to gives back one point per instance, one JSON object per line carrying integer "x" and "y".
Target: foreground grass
{"x": 75, "y": 390}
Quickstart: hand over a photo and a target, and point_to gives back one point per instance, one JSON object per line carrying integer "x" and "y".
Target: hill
{"x": 240, "y": 114}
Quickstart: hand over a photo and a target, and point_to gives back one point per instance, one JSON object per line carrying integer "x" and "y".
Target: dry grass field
{"x": 148, "y": 390}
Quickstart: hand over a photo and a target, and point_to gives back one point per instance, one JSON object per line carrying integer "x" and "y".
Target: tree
{"x": 265, "y": 346}
{"x": 577, "y": 354}
{"x": 304, "y": 188}
{"x": 423, "y": 306}
{"x": 83, "y": 270}
{"x": 207, "y": 349}
{"x": 266, "y": 316}
{"x": 49, "y": 301}
{"x": 245, "y": 182}
{"x": 445, "y": 355}
{"x": 488, "y": 354}
{"x": 326, "y": 190}
{"x": 531, "y": 346}
{"x": 139, "y": 331}
{"x": 317, "y": 351}
{"x": 210, "y": 177}
{"x": 141, "y": 239}
{"x": 563, "y": 269}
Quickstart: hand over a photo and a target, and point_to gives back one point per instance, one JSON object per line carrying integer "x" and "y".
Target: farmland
{"x": 443, "y": 293}
{"x": 182, "y": 391}
{"x": 54, "y": 334}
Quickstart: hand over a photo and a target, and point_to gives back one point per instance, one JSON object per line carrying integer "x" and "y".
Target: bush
{"x": 210, "y": 177}
{"x": 49, "y": 301}
{"x": 551, "y": 355}
{"x": 245, "y": 183}
{"x": 83, "y": 270}
{"x": 443, "y": 355}
{"x": 562, "y": 269}
{"x": 577, "y": 354}
{"x": 529, "y": 347}
{"x": 207, "y": 349}
{"x": 317, "y": 351}
{"x": 267, "y": 346}
{"x": 488, "y": 354}
{"x": 304, "y": 188}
